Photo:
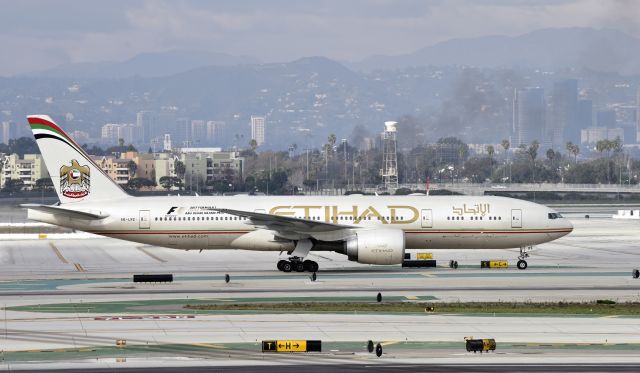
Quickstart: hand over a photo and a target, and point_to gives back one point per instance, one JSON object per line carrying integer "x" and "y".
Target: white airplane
{"x": 368, "y": 229}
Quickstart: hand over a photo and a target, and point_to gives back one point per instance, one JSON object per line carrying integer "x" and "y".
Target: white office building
{"x": 258, "y": 129}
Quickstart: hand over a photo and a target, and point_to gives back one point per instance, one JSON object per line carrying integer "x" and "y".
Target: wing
{"x": 294, "y": 228}
{"x": 56, "y": 210}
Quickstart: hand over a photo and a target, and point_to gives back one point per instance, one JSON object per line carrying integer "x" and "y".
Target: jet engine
{"x": 380, "y": 246}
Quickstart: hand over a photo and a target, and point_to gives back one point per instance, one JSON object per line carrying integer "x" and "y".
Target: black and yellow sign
{"x": 291, "y": 346}
{"x": 494, "y": 264}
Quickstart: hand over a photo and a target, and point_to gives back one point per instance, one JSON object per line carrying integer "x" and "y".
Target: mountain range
{"x": 603, "y": 50}
{"x": 146, "y": 65}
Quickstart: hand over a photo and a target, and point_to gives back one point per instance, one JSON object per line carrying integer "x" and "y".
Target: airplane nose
{"x": 568, "y": 225}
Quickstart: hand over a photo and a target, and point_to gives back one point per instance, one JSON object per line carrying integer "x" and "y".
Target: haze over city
{"x": 314, "y": 83}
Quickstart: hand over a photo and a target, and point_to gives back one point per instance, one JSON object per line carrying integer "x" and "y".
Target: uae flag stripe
{"x": 44, "y": 129}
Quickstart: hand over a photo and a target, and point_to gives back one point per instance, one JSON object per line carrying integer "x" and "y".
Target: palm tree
{"x": 180, "y": 169}
{"x": 532, "y": 152}
{"x": 551, "y": 155}
{"x": 574, "y": 150}
{"x": 331, "y": 140}
{"x": 491, "y": 151}
{"x": 253, "y": 144}
{"x": 602, "y": 146}
{"x": 506, "y": 145}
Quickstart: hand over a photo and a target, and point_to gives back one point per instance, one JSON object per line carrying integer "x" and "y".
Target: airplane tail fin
{"x": 75, "y": 176}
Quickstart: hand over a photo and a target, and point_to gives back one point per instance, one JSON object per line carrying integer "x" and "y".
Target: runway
{"x": 44, "y": 284}
{"x": 357, "y": 368}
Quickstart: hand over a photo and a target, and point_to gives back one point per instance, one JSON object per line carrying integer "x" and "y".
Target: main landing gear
{"x": 297, "y": 264}
{"x": 522, "y": 263}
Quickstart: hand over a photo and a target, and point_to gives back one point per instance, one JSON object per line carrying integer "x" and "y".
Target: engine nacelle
{"x": 380, "y": 246}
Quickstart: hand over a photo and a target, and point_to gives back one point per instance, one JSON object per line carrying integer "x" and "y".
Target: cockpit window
{"x": 554, "y": 215}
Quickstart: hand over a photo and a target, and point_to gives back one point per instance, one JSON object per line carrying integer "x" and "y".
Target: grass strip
{"x": 561, "y": 308}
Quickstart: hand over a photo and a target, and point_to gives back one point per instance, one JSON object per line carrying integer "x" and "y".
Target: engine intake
{"x": 380, "y": 246}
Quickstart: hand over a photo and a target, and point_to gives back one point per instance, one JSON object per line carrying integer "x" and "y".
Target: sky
{"x": 38, "y": 34}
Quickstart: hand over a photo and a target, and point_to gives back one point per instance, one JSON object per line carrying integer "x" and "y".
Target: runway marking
{"x": 79, "y": 267}
{"x": 427, "y": 274}
{"x": 208, "y": 345}
{"x": 411, "y": 297}
{"x": 152, "y": 255}
{"x": 610, "y": 317}
{"x": 58, "y": 253}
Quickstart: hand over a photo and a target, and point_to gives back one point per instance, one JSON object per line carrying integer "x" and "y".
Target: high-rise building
{"x": 182, "y": 133}
{"x": 215, "y": 131}
{"x": 111, "y": 133}
{"x": 584, "y": 117}
{"x": 389, "y": 155}
{"x": 198, "y": 132}
{"x": 147, "y": 121}
{"x": 562, "y": 125}
{"x": 7, "y": 131}
{"x": 528, "y": 115}
{"x": 258, "y": 129}
{"x": 167, "y": 142}
{"x": 80, "y": 137}
{"x": 606, "y": 118}
{"x": 594, "y": 134}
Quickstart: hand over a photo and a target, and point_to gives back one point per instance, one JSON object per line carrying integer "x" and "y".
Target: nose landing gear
{"x": 522, "y": 263}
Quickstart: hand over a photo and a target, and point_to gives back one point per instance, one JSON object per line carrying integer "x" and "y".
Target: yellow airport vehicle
{"x": 418, "y": 259}
{"x": 482, "y": 345}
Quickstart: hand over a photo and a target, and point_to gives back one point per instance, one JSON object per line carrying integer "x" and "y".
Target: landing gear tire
{"x": 310, "y": 266}
{"x": 286, "y": 266}
{"x": 280, "y": 263}
{"x": 295, "y": 264}
{"x": 522, "y": 264}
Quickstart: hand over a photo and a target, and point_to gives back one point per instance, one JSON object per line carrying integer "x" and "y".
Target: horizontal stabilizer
{"x": 57, "y": 210}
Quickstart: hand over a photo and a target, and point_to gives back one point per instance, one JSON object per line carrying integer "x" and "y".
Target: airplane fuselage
{"x": 428, "y": 222}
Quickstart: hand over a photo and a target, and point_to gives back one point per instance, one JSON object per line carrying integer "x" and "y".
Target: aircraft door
{"x": 516, "y": 218}
{"x": 427, "y": 218}
{"x": 145, "y": 220}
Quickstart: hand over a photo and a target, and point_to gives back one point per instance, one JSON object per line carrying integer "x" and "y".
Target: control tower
{"x": 390, "y": 156}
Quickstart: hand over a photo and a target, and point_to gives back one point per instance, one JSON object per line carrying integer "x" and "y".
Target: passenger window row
{"x": 197, "y": 218}
{"x": 473, "y": 218}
